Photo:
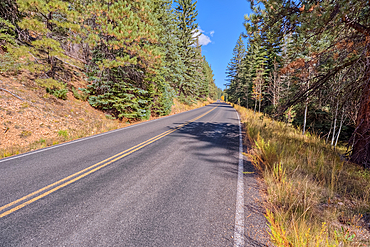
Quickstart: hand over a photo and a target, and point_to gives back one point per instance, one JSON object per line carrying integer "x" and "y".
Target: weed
{"x": 25, "y": 134}
{"x": 24, "y": 105}
{"x": 63, "y": 133}
{"x": 108, "y": 116}
{"x": 54, "y": 87}
{"x": 59, "y": 93}
{"x": 9, "y": 63}
{"x": 345, "y": 234}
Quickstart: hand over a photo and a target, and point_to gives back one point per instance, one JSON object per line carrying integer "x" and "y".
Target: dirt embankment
{"x": 30, "y": 118}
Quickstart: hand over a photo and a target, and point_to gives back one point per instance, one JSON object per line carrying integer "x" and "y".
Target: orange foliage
{"x": 296, "y": 64}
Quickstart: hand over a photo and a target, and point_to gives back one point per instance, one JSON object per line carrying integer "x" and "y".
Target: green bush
{"x": 59, "y": 93}
{"x": 80, "y": 96}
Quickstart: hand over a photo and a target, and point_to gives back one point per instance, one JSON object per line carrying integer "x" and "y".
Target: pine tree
{"x": 49, "y": 24}
{"x": 235, "y": 72}
{"x": 207, "y": 88}
{"x": 343, "y": 31}
{"x": 124, "y": 39}
{"x": 186, "y": 20}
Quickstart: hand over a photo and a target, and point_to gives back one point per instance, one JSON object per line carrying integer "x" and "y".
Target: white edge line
{"x": 239, "y": 214}
{"x": 90, "y": 137}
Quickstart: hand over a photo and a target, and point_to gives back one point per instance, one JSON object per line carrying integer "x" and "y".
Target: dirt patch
{"x": 30, "y": 118}
{"x": 29, "y": 115}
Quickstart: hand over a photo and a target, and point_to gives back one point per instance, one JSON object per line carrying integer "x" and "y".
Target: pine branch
{"x": 300, "y": 96}
{"x": 357, "y": 26}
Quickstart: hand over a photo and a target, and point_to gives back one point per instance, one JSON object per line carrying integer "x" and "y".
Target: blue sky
{"x": 222, "y": 22}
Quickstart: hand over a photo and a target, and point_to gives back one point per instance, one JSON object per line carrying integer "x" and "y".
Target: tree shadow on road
{"x": 217, "y": 143}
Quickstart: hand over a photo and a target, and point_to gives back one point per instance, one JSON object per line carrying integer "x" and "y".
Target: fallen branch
{"x": 13, "y": 94}
{"x": 3, "y": 89}
{"x": 81, "y": 69}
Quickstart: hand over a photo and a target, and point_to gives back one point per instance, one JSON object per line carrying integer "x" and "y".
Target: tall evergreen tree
{"x": 186, "y": 19}
{"x": 234, "y": 72}
{"x": 124, "y": 37}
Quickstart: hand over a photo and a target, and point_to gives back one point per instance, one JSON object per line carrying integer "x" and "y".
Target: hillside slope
{"x": 31, "y": 118}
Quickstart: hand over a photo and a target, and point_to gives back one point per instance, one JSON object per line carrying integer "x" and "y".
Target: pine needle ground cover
{"x": 313, "y": 196}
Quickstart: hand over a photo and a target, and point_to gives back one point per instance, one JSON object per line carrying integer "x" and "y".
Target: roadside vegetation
{"x": 136, "y": 56}
{"x": 314, "y": 197}
{"x": 44, "y": 124}
{"x": 308, "y": 62}
{"x": 70, "y": 69}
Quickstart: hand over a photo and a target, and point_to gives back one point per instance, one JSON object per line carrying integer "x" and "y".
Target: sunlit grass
{"x": 90, "y": 127}
{"x": 315, "y": 198}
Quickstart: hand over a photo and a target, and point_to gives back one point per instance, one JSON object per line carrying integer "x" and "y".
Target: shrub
{"x": 63, "y": 133}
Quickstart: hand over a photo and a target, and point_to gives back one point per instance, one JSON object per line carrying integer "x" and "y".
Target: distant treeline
{"x": 137, "y": 54}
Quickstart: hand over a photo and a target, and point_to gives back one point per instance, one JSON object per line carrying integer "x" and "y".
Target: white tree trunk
{"x": 304, "y": 119}
{"x": 340, "y": 128}
{"x": 335, "y": 123}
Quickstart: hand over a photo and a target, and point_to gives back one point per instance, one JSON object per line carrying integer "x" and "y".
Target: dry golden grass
{"x": 51, "y": 130}
{"x": 180, "y": 107}
{"x": 314, "y": 197}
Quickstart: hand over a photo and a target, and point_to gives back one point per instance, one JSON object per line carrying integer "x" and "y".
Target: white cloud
{"x": 211, "y": 33}
{"x": 202, "y": 38}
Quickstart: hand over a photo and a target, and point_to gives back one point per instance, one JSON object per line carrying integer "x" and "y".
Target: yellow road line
{"x": 73, "y": 175}
{"x": 92, "y": 169}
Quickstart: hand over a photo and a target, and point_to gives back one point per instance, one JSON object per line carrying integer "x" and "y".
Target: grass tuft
{"x": 314, "y": 198}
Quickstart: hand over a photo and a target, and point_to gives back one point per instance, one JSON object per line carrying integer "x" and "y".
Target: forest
{"x": 136, "y": 55}
{"x": 307, "y": 63}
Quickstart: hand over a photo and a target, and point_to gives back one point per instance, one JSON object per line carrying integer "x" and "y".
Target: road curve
{"x": 168, "y": 182}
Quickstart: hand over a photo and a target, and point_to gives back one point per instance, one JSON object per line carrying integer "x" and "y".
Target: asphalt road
{"x": 168, "y": 182}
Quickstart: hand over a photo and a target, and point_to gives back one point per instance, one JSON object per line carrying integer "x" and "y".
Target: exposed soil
{"x": 30, "y": 118}
{"x": 39, "y": 117}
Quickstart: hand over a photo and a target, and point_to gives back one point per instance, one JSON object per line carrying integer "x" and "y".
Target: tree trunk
{"x": 259, "y": 105}
{"x": 255, "y": 105}
{"x": 340, "y": 128}
{"x": 335, "y": 124}
{"x": 305, "y": 119}
{"x": 331, "y": 126}
{"x": 361, "y": 147}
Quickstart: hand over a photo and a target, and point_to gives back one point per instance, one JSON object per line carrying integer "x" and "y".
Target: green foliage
{"x": 79, "y": 95}
{"x": 50, "y": 83}
{"x": 123, "y": 99}
{"x": 188, "y": 48}
{"x": 7, "y": 32}
{"x": 8, "y": 63}
{"x": 138, "y": 54}
{"x": 54, "y": 87}
{"x": 59, "y": 93}
{"x": 49, "y": 24}
{"x": 63, "y": 133}
{"x": 25, "y": 134}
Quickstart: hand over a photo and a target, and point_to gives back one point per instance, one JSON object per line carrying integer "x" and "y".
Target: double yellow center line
{"x": 36, "y": 195}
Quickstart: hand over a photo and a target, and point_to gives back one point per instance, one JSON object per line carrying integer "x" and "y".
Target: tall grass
{"x": 314, "y": 198}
